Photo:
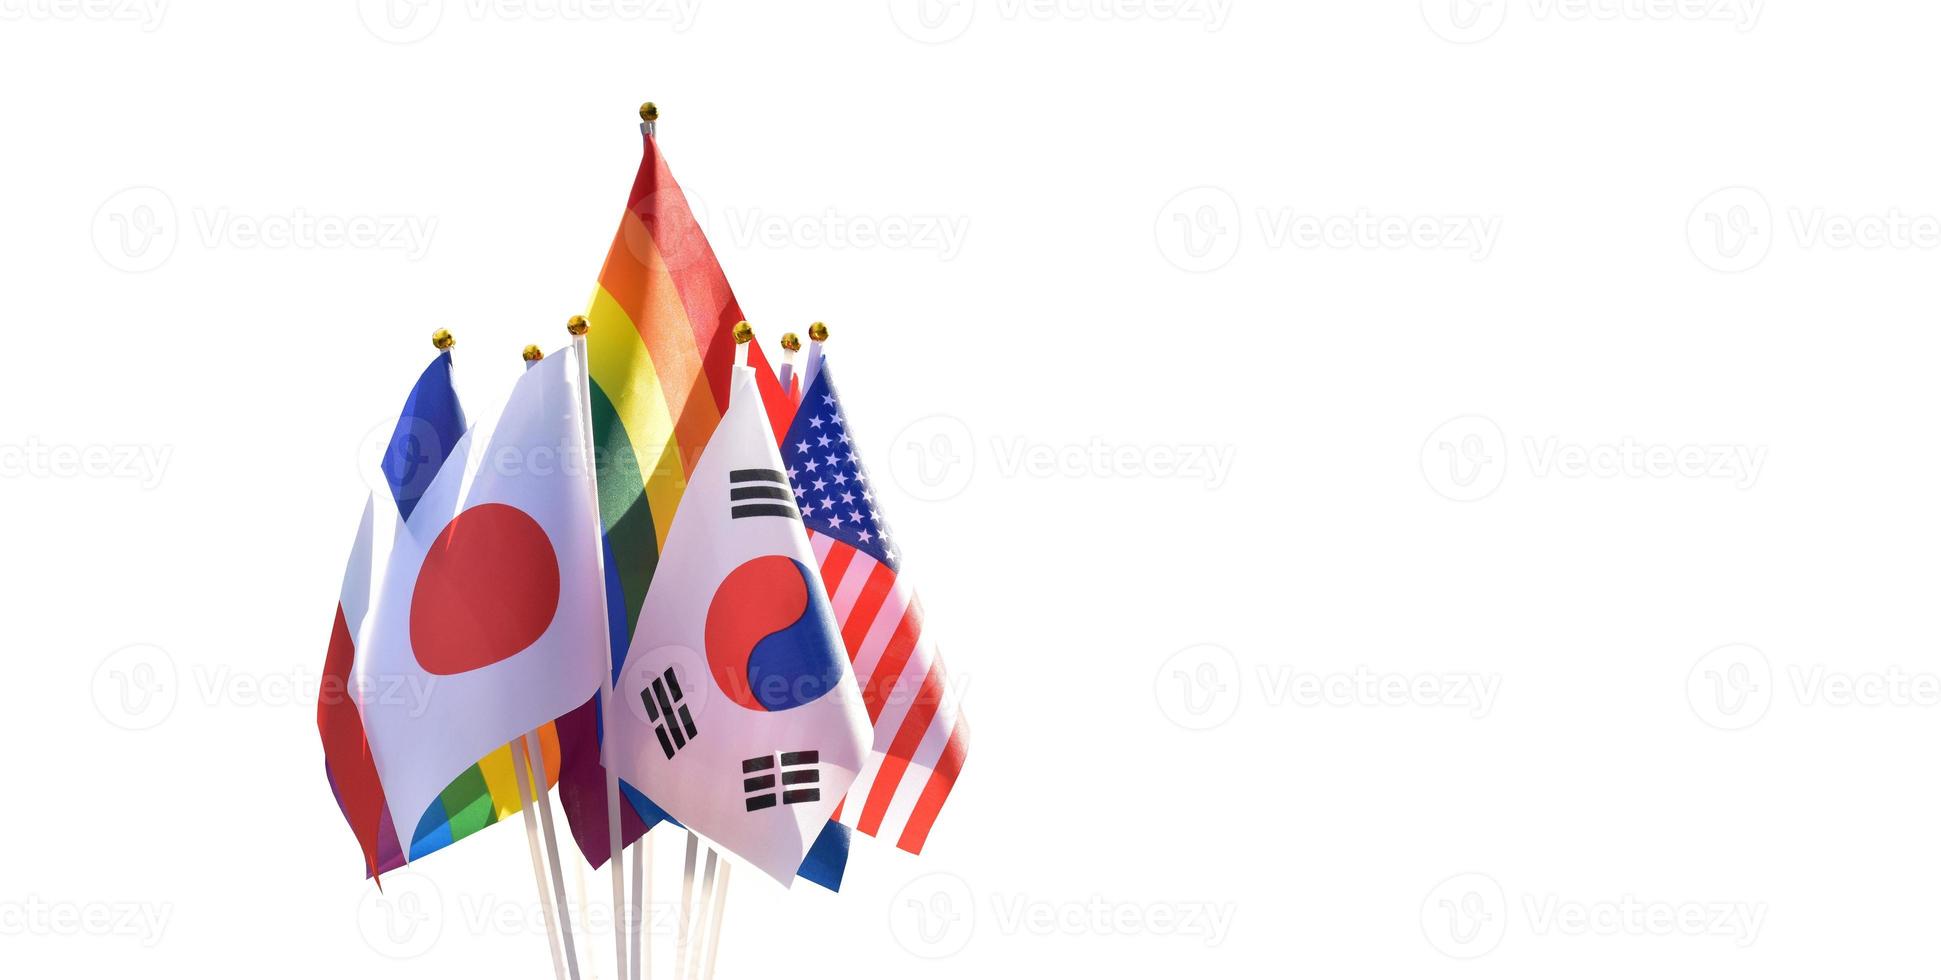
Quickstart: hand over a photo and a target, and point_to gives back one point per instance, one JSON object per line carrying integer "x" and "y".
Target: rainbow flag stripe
{"x": 480, "y": 797}
{"x": 660, "y": 350}
{"x": 660, "y": 346}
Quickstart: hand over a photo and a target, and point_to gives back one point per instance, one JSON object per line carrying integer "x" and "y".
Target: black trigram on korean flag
{"x": 799, "y": 776}
{"x": 672, "y": 724}
{"x": 760, "y": 493}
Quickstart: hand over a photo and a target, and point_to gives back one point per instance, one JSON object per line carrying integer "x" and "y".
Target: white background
{"x": 1680, "y": 526}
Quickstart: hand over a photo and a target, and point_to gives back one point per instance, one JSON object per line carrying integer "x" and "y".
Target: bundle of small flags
{"x": 707, "y": 619}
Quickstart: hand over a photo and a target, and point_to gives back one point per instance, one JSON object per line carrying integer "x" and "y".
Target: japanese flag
{"x": 490, "y": 617}
{"x": 738, "y": 711}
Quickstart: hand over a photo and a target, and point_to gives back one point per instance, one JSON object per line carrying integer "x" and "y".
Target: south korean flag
{"x": 739, "y": 714}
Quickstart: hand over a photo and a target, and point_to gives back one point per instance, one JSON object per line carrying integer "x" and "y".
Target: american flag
{"x": 920, "y": 737}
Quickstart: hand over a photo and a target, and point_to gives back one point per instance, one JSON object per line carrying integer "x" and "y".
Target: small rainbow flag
{"x": 660, "y": 349}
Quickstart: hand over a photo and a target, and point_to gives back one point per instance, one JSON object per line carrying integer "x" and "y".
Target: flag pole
{"x": 649, "y": 115}
{"x": 543, "y": 801}
{"x": 528, "y": 804}
{"x": 720, "y": 903}
{"x": 712, "y": 894}
{"x": 643, "y": 867}
{"x": 790, "y": 344}
{"x": 690, "y": 966}
{"x": 817, "y": 334}
{"x": 577, "y": 327}
{"x": 687, "y": 903}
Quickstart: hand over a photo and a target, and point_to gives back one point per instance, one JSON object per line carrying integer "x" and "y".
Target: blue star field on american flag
{"x": 831, "y": 489}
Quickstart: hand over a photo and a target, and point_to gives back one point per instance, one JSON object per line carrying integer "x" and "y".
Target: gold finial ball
{"x": 442, "y": 339}
{"x": 533, "y": 353}
{"x": 743, "y": 332}
{"x": 649, "y": 112}
{"x": 791, "y": 342}
{"x": 818, "y": 332}
{"x": 576, "y": 326}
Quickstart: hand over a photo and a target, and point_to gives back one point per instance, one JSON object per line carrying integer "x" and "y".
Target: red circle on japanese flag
{"x": 488, "y": 589}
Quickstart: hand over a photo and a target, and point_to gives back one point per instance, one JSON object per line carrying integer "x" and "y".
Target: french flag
{"x": 428, "y": 428}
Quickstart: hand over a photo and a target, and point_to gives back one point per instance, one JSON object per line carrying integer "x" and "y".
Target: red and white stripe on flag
{"x": 920, "y": 735}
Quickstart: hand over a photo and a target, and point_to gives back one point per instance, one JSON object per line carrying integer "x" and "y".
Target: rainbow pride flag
{"x": 660, "y": 349}
{"x": 480, "y": 797}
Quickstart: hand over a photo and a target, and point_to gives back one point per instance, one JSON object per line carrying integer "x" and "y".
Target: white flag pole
{"x": 687, "y": 903}
{"x": 535, "y": 755}
{"x": 790, "y": 344}
{"x": 535, "y": 796}
{"x": 526, "y": 807}
{"x": 720, "y": 903}
{"x": 643, "y": 868}
{"x": 691, "y": 964}
{"x": 692, "y": 931}
{"x": 818, "y": 333}
{"x": 643, "y": 877}
{"x": 577, "y": 326}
